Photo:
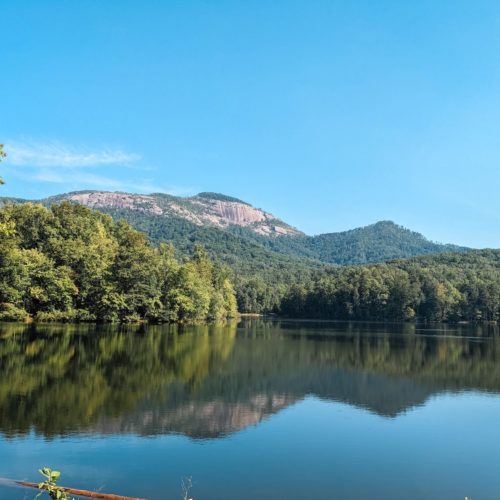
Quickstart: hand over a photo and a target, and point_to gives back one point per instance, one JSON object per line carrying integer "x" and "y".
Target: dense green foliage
{"x": 435, "y": 288}
{"x": 286, "y": 275}
{"x": 261, "y": 276}
{"x": 442, "y": 287}
{"x": 376, "y": 243}
{"x": 72, "y": 263}
{"x": 446, "y": 287}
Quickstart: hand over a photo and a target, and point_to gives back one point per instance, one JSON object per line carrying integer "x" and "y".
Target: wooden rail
{"x": 81, "y": 493}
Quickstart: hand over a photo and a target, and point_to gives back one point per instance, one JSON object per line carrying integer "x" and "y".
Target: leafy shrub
{"x": 9, "y": 312}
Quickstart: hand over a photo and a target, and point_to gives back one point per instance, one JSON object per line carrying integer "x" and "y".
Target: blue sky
{"x": 330, "y": 114}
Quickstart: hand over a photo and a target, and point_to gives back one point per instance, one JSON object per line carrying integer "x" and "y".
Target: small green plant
{"x": 50, "y": 484}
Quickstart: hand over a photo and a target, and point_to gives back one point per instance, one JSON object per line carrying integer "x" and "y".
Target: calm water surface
{"x": 268, "y": 410}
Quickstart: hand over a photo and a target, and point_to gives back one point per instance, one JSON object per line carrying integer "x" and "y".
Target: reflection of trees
{"x": 58, "y": 379}
{"x": 205, "y": 381}
{"x": 464, "y": 358}
{"x": 451, "y": 363}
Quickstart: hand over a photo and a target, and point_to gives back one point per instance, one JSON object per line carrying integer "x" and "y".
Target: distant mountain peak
{"x": 220, "y": 197}
{"x": 204, "y": 209}
{"x": 389, "y": 223}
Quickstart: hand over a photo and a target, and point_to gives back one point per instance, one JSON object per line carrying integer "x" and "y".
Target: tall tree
{"x": 70, "y": 263}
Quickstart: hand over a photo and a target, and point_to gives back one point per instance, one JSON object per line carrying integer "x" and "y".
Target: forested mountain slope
{"x": 38, "y": 260}
{"x": 378, "y": 242}
{"x": 261, "y": 275}
{"x": 232, "y": 230}
{"x": 204, "y": 209}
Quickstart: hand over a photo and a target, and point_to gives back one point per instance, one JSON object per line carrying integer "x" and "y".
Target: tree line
{"x": 71, "y": 263}
{"x": 446, "y": 287}
{"x": 433, "y": 287}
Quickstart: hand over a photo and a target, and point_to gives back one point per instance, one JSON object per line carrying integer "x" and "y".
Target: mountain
{"x": 383, "y": 271}
{"x": 260, "y": 275}
{"x": 232, "y": 230}
{"x": 377, "y": 242}
{"x": 204, "y": 209}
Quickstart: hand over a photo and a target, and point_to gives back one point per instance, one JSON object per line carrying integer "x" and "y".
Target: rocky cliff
{"x": 204, "y": 209}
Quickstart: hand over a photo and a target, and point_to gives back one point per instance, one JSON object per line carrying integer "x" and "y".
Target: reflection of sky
{"x": 447, "y": 448}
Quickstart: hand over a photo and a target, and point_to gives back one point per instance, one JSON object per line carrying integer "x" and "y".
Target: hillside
{"x": 261, "y": 275}
{"x": 381, "y": 241}
{"x": 399, "y": 275}
{"x": 204, "y": 209}
{"x": 240, "y": 253}
{"x": 378, "y": 242}
{"x": 233, "y": 230}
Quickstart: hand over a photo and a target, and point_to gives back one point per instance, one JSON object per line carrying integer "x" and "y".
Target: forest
{"x": 446, "y": 287}
{"x": 70, "y": 263}
{"x": 274, "y": 274}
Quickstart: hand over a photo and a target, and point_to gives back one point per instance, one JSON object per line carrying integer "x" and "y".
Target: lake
{"x": 260, "y": 409}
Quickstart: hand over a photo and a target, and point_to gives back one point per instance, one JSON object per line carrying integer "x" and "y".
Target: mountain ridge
{"x": 205, "y": 208}
{"x": 207, "y": 217}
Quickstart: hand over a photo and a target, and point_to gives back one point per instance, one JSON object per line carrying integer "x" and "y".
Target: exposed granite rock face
{"x": 200, "y": 210}
{"x": 224, "y": 213}
{"x": 116, "y": 200}
{"x": 236, "y": 213}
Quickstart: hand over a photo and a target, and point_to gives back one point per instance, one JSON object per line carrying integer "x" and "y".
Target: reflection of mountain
{"x": 199, "y": 419}
{"x": 208, "y": 418}
{"x": 209, "y": 381}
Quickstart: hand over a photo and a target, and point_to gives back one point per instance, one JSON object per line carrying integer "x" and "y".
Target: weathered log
{"x": 81, "y": 493}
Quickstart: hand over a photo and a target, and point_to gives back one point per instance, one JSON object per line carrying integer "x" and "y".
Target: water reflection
{"x": 207, "y": 381}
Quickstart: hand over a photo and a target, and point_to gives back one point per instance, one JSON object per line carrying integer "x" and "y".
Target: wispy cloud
{"x": 74, "y": 168}
{"x": 72, "y": 178}
{"x": 57, "y": 154}
{"x": 80, "y": 180}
